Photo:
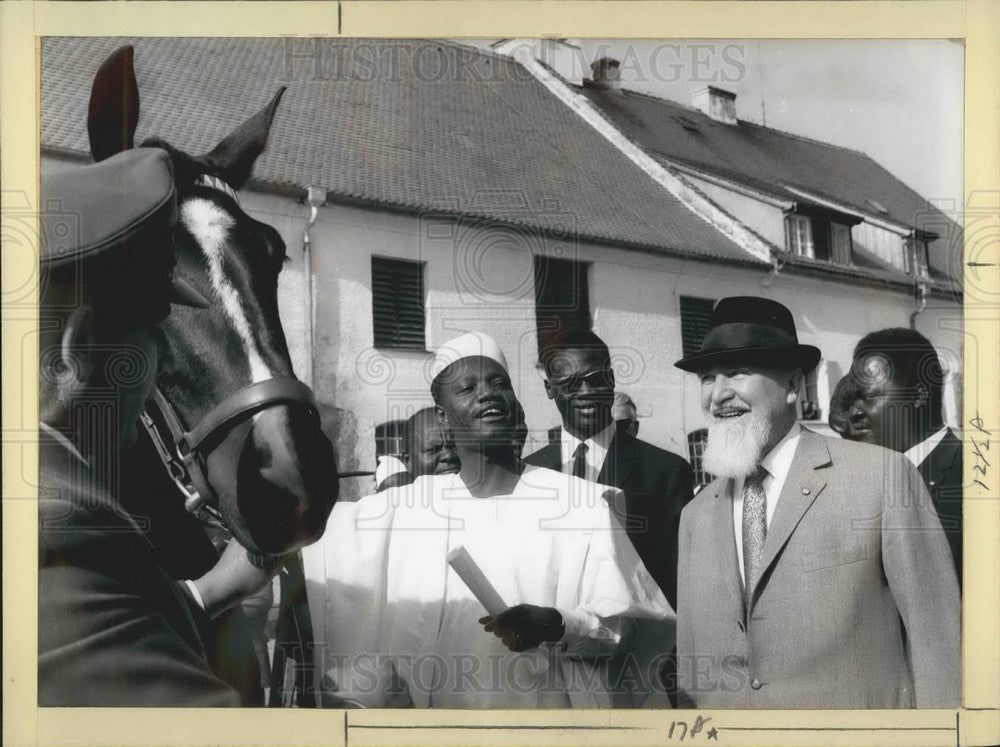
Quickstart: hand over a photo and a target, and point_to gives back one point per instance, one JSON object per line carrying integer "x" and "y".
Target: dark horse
{"x": 240, "y": 436}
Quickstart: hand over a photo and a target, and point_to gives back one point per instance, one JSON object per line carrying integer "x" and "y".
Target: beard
{"x": 736, "y": 446}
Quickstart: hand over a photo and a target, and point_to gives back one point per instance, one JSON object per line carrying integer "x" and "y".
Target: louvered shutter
{"x": 695, "y": 316}
{"x": 562, "y": 297}
{"x": 398, "y": 303}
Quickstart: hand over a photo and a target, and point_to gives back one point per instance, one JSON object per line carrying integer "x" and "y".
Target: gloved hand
{"x": 525, "y": 626}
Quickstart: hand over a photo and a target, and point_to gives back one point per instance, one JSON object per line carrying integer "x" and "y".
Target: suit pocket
{"x": 820, "y": 560}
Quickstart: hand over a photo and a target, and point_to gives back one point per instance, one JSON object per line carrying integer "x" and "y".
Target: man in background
{"x": 656, "y": 483}
{"x": 900, "y": 407}
{"x": 625, "y": 415}
{"x": 427, "y": 448}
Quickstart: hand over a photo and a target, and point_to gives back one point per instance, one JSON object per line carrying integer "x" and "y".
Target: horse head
{"x": 242, "y": 422}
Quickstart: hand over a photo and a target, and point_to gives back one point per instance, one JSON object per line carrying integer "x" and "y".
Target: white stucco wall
{"x": 764, "y": 218}
{"x": 483, "y": 279}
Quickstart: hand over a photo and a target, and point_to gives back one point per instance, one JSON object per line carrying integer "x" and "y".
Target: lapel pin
{"x": 805, "y": 491}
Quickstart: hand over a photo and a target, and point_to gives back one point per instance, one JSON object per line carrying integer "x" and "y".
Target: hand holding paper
{"x": 473, "y": 576}
{"x": 521, "y": 627}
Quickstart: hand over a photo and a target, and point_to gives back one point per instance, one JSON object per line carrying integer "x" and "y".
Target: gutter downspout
{"x": 920, "y": 291}
{"x": 315, "y": 198}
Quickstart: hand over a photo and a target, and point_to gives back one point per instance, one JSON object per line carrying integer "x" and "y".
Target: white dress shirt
{"x": 777, "y": 463}
{"x": 922, "y": 450}
{"x": 597, "y": 451}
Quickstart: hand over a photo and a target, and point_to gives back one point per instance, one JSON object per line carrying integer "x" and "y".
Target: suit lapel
{"x": 619, "y": 463}
{"x": 941, "y": 460}
{"x": 724, "y": 538}
{"x": 547, "y": 456}
{"x": 802, "y": 486}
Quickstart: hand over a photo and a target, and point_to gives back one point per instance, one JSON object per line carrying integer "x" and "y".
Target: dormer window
{"x": 816, "y": 232}
{"x": 840, "y": 243}
{"x": 798, "y": 231}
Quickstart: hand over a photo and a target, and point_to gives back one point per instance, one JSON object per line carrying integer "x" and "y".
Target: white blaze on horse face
{"x": 210, "y": 225}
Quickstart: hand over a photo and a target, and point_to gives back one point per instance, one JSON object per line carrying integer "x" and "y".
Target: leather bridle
{"x": 184, "y": 452}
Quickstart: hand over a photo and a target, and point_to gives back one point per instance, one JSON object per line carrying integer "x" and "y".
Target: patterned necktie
{"x": 754, "y": 526}
{"x": 580, "y": 461}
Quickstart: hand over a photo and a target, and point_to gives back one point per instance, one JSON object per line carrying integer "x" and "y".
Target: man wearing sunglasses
{"x": 656, "y": 483}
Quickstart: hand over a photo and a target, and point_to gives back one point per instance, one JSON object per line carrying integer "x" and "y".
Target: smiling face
{"x": 476, "y": 401}
{"x": 582, "y": 385}
{"x": 749, "y": 409}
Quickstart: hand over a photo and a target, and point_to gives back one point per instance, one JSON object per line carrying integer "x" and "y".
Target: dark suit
{"x": 657, "y": 485}
{"x": 113, "y": 628}
{"x": 854, "y": 552}
{"x": 942, "y": 471}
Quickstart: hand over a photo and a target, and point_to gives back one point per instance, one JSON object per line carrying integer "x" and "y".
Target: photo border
{"x": 975, "y": 22}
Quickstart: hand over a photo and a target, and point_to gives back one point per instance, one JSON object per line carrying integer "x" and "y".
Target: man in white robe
{"x": 394, "y": 624}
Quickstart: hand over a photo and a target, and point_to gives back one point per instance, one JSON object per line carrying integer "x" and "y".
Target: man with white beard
{"x": 799, "y": 562}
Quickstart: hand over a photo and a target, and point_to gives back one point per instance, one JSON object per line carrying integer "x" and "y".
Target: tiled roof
{"x": 414, "y": 124}
{"x": 768, "y": 160}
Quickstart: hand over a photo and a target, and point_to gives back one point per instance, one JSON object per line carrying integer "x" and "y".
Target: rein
{"x": 183, "y": 452}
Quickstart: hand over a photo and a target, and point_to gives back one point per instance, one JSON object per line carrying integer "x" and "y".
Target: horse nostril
{"x": 287, "y": 479}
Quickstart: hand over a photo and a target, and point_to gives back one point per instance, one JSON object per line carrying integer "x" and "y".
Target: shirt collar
{"x": 779, "y": 460}
{"x": 597, "y": 445}
{"x": 922, "y": 450}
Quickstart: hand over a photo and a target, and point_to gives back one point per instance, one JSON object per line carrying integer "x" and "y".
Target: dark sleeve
{"x": 680, "y": 491}
{"x": 113, "y": 628}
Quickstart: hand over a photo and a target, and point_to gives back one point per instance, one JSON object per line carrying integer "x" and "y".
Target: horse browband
{"x": 180, "y": 457}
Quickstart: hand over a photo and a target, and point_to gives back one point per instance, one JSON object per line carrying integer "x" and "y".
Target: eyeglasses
{"x": 602, "y": 379}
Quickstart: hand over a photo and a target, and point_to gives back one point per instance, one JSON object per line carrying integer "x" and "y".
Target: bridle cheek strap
{"x": 182, "y": 459}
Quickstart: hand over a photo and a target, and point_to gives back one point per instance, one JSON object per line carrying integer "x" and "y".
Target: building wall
{"x": 482, "y": 278}
{"x": 769, "y": 222}
{"x": 478, "y": 278}
{"x": 886, "y": 245}
{"x": 766, "y": 219}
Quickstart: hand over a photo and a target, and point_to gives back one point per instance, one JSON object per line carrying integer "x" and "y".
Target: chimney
{"x": 563, "y": 56}
{"x": 605, "y": 73}
{"x": 717, "y": 103}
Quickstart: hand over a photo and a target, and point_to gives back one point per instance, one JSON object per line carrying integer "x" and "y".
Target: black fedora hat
{"x": 749, "y": 329}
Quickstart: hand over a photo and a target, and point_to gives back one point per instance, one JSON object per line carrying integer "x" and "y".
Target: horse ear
{"x": 234, "y": 156}
{"x": 114, "y": 105}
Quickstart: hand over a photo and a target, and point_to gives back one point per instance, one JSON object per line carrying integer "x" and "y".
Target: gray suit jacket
{"x": 854, "y": 547}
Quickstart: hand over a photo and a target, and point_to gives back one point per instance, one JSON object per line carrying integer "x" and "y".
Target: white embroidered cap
{"x": 469, "y": 345}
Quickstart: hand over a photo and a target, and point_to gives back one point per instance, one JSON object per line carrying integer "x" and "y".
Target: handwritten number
{"x": 699, "y": 724}
{"x": 977, "y": 423}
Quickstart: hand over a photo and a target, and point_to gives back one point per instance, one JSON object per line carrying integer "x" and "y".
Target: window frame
{"x": 837, "y": 256}
{"x": 792, "y": 235}
{"x": 396, "y": 317}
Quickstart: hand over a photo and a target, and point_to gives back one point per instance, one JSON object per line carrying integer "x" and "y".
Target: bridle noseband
{"x": 180, "y": 453}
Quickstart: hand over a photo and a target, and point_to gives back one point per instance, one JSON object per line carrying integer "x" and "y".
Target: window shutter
{"x": 695, "y": 316}
{"x": 562, "y": 297}
{"x": 398, "y": 303}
